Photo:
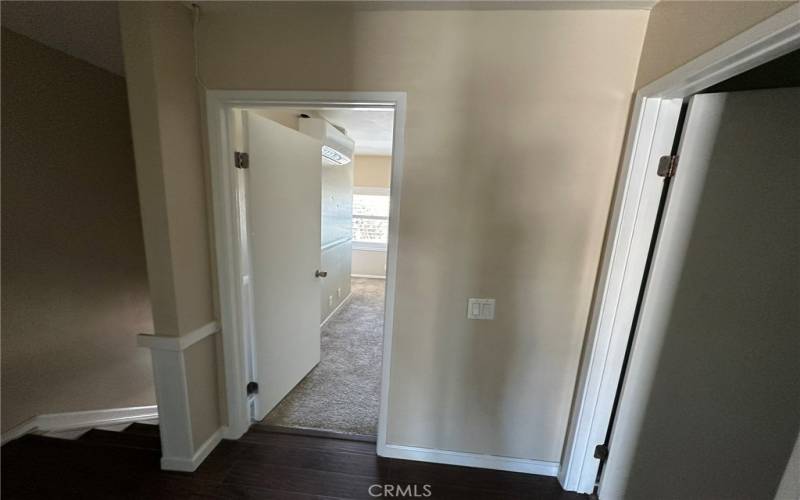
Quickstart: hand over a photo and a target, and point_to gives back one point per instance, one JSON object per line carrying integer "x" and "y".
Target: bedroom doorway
{"x": 307, "y": 256}
{"x": 341, "y": 393}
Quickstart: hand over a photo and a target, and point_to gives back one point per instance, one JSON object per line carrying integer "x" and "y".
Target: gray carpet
{"x": 342, "y": 393}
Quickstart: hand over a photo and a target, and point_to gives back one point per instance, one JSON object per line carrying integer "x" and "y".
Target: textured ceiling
{"x": 371, "y": 130}
{"x": 86, "y": 30}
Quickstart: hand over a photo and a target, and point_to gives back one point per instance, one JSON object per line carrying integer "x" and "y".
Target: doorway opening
{"x": 651, "y": 136}
{"x": 306, "y": 195}
{"x": 341, "y": 393}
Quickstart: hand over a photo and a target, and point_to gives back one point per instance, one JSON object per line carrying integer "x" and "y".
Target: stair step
{"x": 142, "y": 429}
{"x": 122, "y": 439}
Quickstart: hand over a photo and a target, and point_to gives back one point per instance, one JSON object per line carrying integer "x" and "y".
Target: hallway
{"x": 342, "y": 393}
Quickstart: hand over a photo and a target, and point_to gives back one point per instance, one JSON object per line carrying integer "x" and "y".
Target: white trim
{"x": 172, "y": 343}
{"x": 652, "y": 128}
{"x": 336, "y": 309}
{"x": 771, "y": 38}
{"x": 470, "y": 459}
{"x": 633, "y": 218}
{"x": 372, "y": 191}
{"x": 172, "y": 394}
{"x": 191, "y": 464}
{"x": 373, "y": 276}
{"x": 80, "y": 419}
{"x": 335, "y": 243}
{"x": 369, "y": 246}
{"x": 221, "y": 108}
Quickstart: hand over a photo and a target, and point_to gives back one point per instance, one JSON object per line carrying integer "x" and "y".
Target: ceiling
{"x": 370, "y": 129}
{"x": 86, "y": 30}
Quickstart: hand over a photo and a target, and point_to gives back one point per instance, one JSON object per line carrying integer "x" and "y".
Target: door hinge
{"x": 601, "y": 451}
{"x": 667, "y": 165}
{"x": 241, "y": 160}
{"x": 252, "y": 388}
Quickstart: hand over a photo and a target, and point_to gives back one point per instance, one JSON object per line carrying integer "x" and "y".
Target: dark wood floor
{"x": 263, "y": 464}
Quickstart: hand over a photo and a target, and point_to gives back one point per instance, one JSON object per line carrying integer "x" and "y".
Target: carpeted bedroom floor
{"x": 342, "y": 393}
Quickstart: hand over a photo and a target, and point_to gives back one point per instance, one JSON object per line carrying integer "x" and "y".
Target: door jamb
{"x": 227, "y": 238}
{"x": 652, "y": 128}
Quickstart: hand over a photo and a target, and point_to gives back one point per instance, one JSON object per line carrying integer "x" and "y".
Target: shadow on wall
{"x": 726, "y": 379}
{"x": 514, "y": 128}
{"x": 74, "y": 291}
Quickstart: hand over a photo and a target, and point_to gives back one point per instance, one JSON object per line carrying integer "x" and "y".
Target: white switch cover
{"x": 330, "y": 300}
{"x": 339, "y": 292}
{"x": 480, "y": 309}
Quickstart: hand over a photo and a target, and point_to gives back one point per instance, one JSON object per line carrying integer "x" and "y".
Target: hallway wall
{"x": 74, "y": 289}
{"x": 514, "y": 130}
{"x": 679, "y": 31}
{"x": 371, "y": 171}
{"x": 337, "y": 232}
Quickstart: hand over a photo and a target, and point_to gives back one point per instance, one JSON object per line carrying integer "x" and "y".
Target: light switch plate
{"x": 480, "y": 309}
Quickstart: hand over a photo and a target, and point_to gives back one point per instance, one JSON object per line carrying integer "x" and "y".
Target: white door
{"x": 284, "y": 197}
{"x": 710, "y": 407}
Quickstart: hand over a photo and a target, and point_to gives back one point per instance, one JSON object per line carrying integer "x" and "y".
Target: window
{"x": 370, "y": 218}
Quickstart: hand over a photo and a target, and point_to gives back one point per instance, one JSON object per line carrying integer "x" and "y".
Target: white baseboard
{"x": 80, "y": 419}
{"x": 469, "y": 459}
{"x": 373, "y": 276}
{"x": 190, "y": 465}
{"x": 336, "y": 309}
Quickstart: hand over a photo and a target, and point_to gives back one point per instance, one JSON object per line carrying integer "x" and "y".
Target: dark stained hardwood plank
{"x": 125, "y": 439}
{"x": 313, "y": 432}
{"x": 305, "y": 481}
{"x": 142, "y": 429}
{"x": 470, "y": 477}
{"x": 262, "y": 465}
{"x": 257, "y": 436}
{"x": 344, "y": 462}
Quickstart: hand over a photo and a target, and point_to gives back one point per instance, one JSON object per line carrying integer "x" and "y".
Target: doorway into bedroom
{"x": 339, "y": 388}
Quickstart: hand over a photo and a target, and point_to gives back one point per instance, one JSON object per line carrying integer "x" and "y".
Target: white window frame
{"x": 371, "y": 246}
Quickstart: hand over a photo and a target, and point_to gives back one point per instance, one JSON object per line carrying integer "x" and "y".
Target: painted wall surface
{"x": 165, "y": 115}
{"x": 679, "y": 31}
{"x": 514, "y": 131}
{"x": 337, "y": 233}
{"x": 371, "y": 263}
{"x": 374, "y": 172}
{"x": 74, "y": 292}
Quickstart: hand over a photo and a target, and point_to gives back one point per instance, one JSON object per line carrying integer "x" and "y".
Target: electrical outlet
{"x": 330, "y": 300}
{"x": 339, "y": 292}
{"x": 480, "y": 309}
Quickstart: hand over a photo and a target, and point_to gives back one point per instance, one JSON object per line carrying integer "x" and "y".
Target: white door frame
{"x": 221, "y": 106}
{"x": 650, "y": 135}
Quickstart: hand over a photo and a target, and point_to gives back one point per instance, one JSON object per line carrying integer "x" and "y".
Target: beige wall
{"x": 371, "y": 263}
{"x": 514, "y": 131}
{"x": 376, "y": 172}
{"x": 74, "y": 290}
{"x": 372, "y": 171}
{"x": 165, "y": 113}
{"x": 677, "y": 31}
